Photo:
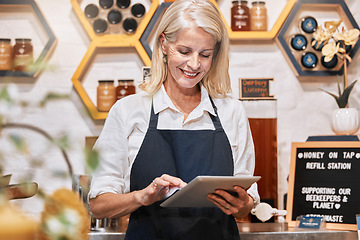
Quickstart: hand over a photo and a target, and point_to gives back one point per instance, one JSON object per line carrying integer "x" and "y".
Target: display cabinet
{"x": 295, "y": 37}
{"x": 23, "y": 19}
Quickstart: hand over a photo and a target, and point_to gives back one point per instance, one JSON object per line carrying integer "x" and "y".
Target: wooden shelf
{"x": 259, "y": 35}
{"x": 102, "y": 43}
{"x": 321, "y": 10}
{"x": 98, "y": 47}
{"x": 140, "y": 41}
{"x": 114, "y": 37}
{"x": 22, "y": 9}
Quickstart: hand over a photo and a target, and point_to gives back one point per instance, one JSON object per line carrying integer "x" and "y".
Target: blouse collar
{"x": 162, "y": 101}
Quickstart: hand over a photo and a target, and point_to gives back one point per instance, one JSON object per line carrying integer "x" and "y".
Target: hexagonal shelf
{"x": 320, "y": 11}
{"x": 258, "y": 35}
{"x": 149, "y": 30}
{"x": 109, "y": 34}
{"x": 107, "y": 56}
{"x": 30, "y": 15}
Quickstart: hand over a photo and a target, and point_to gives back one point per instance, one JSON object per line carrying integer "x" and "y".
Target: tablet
{"x": 194, "y": 194}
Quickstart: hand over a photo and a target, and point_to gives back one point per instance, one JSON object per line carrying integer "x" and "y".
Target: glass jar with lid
{"x": 240, "y": 16}
{"x": 6, "y": 50}
{"x": 105, "y": 95}
{"x": 125, "y": 87}
{"x": 23, "y": 54}
{"x": 258, "y": 16}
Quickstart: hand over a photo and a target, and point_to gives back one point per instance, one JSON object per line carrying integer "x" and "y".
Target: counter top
{"x": 283, "y": 235}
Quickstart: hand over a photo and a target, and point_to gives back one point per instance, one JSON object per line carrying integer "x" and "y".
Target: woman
{"x": 171, "y": 132}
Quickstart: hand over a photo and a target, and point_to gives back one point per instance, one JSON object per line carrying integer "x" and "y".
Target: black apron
{"x": 184, "y": 154}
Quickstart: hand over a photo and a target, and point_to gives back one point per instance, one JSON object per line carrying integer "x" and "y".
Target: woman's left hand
{"x": 237, "y": 203}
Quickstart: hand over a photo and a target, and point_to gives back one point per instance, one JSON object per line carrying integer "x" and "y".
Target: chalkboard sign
{"x": 255, "y": 88}
{"x": 324, "y": 181}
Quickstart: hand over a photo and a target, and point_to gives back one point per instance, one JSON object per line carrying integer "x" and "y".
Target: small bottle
{"x": 298, "y": 42}
{"x": 6, "y": 52}
{"x": 100, "y": 26}
{"x": 125, "y": 87}
{"x": 331, "y": 64}
{"x": 309, "y": 60}
{"x": 123, "y": 4}
{"x": 138, "y": 10}
{"x": 114, "y": 17}
{"x": 23, "y": 55}
{"x": 130, "y": 25}
{"x": 308, "y": 24}
{"x": 240, "y": 16}
{"x": 105, "y": 95}
{"x": 106, "y": 4}
{"x": 91, "y": 11}
{"x": 258, "y": 16}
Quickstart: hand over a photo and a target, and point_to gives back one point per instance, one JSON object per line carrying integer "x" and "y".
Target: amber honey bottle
{"x": 23, "y": 55}
{"x": 105, "y": 95}
{"x": 125, "y": 88}
{"x": 6, "y": 50}
{"x": 258, "y": 16}
{"x": 240, "y": 16}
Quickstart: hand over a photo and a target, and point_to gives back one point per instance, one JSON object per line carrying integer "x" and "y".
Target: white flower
{"x": 63, "y": 226}
{"x": 329, "y": 50}
{"x": 349, "y": 37}
{"x": 54, "y": 226}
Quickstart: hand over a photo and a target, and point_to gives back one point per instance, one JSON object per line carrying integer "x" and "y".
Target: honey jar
{"x": 240, "y": 16}
{"x": 258, "y": 16}
{"x": 6, "y": 50}
{"x": 23, "y": 54}
{"x": 105, "y": 95}
{"x": 125, "y": 87}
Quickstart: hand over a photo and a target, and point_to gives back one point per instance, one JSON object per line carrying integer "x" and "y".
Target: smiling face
{"x": 189, "y": 58}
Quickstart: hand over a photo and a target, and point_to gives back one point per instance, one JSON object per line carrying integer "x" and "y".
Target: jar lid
{"x": 106, "y": 4}
{"x": 238, "y": 1}
{"x": 258, "y": 2}
{"x": 100, "y": 25}
{"x": 298, "y": 42}
{"x": 114, "y": 17}
{"x": 138, "y": 10}
{"x": 91, "y": 11}
{"x": 22, "y": 39}
{"x": 130, "y": 25}
{"x": 5, "y": 40}
{"x": 309, "y": 24}
{"x": 106, "y": 81}
{"x": 309, "y": 60}
{"x": 331, "y": 64}
{"x": 123, "y": 3}
{"x": 125, "y": 80}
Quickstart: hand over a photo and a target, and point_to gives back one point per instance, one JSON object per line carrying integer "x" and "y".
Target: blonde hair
{"x": 180, "y": 15}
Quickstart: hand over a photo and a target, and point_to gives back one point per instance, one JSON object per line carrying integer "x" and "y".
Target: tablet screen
{"x": 195, "y": 193}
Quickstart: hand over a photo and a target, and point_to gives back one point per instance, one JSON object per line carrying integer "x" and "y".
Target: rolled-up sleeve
{"x": 236, "y": 126}
{"x": 113, "y": 150}
{"x": 245, "y": 158}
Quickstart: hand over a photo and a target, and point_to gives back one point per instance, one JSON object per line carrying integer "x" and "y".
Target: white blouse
{"x": 127, "y": 124}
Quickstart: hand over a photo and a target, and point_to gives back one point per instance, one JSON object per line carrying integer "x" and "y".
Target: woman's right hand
{"x": 158, "y": 189}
